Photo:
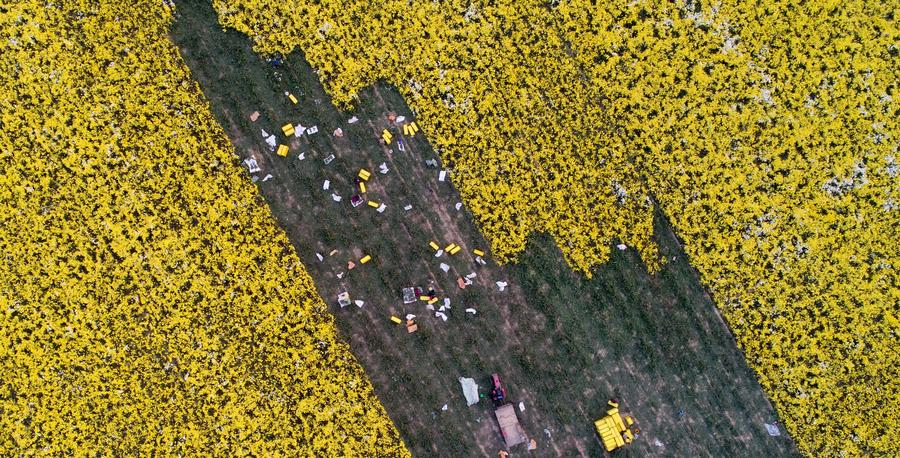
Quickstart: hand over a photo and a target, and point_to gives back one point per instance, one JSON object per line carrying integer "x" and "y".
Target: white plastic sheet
{"x": 470, "y": 390}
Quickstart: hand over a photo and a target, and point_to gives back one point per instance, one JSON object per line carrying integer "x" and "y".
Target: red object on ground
{"x": 498, "y": 394}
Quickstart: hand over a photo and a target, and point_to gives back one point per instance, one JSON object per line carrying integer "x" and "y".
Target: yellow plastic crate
{"x": 288, "y": 129}
{"x": 609, "y": 444}
{"x": 282, "y": 150}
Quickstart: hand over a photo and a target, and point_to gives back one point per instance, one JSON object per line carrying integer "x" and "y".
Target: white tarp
{"x": 251, "y": 164}
{"x": 470, "y": 390}
{"x": 271, "y": 141}
{"x": 772, "y": 430}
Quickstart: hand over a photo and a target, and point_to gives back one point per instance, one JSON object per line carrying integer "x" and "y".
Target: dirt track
{"x": 562, "y": 344}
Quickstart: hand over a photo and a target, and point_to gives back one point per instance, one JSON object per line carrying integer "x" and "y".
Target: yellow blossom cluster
{"x": 149, "y": 304}
{"x": 767, "y": 133}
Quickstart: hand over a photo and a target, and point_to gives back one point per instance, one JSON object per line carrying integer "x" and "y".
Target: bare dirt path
{"x": 562, "y": 344}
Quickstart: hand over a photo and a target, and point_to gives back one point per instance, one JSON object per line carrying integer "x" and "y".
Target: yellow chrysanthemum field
{"x": 766, "y": 132}
{"x": 150, "y": 304}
